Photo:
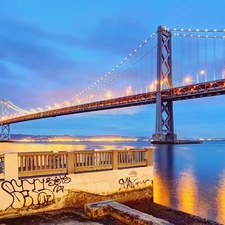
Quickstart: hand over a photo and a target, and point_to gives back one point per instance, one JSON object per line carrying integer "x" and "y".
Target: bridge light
{"x": 151, "y": 87}
{"x": 202, "y": 72}
{"x": 128, "y": 91}
{"x": 187, "y": 80}
{"x": 109, "y": 95}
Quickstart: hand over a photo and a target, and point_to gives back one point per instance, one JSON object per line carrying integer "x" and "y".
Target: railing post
{"x": 149, "y": 154}
{"x": 115, "y": 160}
{"x": 11, "y": 166}
{"x": 71, "y": 162}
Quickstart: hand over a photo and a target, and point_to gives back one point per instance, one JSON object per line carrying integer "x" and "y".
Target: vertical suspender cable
{"x": 223, "y": 59}
{"x": 146, "y": 69}
{"x": 206, "y": 68}
{"x": 141, "y": 70}
{"x": 214, "y": 50}
{"x": 197, "y": 71}
{"x": 181, "y": 59}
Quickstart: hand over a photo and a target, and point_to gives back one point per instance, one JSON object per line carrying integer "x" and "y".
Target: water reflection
{"x": 221, "y": 199}
{"x": 189, "y": 180}
{"x": 37, "y": 147}
{"x": 187, "y": 191}
{"x": 163, "y": 173}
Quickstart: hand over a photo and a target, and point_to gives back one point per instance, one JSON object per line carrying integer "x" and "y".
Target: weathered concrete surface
{"x": 122, "y": 213}
{"x": 41, "y": 194}
{"x": 73, "y": 216}
{"x": 59, "y": 217}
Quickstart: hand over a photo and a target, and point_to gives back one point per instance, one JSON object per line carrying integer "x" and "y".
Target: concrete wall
{"x": 38, "y": 194}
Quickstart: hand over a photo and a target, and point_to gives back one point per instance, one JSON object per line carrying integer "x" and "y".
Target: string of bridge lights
{"x": 120, "y": 74}
{"x": 176, "y": 32}
{"x": 67, "y": 102}
{"x": 110, "y": 72}
{"x": 197, "y": 31}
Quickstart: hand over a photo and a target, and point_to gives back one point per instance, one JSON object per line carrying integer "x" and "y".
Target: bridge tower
{"x": 164, "y": 129}
{"x": 5, "y": 128}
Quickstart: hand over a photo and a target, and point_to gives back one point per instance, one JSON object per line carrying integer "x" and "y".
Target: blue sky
{"x": 50, "y": 50}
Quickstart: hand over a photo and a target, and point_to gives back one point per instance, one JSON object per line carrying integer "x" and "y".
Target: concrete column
{"x": 11, "y": 166}
{"x": 149, "y": 156}
{"x": 71, "y": 162}
{"x": 115, "y": 159}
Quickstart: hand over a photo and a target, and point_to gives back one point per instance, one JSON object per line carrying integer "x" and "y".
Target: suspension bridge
{"x": 171, "y": 65}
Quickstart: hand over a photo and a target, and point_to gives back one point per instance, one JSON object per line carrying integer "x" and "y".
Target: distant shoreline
{"x": 94, "y": 138}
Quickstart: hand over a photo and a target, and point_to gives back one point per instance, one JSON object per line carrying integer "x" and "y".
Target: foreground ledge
{"x": 122, "y": 213}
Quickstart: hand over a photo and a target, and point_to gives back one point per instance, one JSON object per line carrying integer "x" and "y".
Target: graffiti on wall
{"x": 57, "y": 183}
{"x": 24, "y": 193}
{"x": 131, "y": 181}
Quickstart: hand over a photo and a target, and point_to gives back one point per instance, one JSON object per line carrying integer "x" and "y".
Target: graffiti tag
{"x": 24, "y": 193}
{"x": 128, "y": 183}
{"x": 58, "y": 182}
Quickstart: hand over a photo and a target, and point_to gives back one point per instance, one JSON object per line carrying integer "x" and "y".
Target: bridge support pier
{"x": 5, "y": 128}
{"x": 164, "y": 130}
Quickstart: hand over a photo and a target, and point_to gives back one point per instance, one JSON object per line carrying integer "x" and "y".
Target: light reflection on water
{"x": 37, "y": 147}
{"x": 187, "y": 192}
{"x": 221, "y": 198}
{"x": 190, "y": 177}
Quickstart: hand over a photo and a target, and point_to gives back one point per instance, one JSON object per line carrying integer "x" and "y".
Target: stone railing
{"x": 49, "y": 163}
{"x": 41, "y": 163}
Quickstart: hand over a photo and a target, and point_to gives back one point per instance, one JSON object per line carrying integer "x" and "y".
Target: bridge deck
{"x": 206, "y": 89}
